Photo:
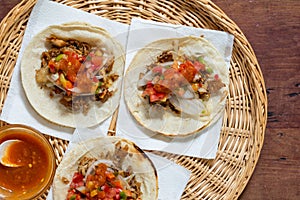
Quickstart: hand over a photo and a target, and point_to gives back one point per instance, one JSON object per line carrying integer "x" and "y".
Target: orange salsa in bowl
{"x": 36, "y": 158}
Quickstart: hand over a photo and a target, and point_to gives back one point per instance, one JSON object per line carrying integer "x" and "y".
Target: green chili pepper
{"x": 97, "y": 91}
{"x": 59, "y": 57}
{"x": 73, "y": 197}
{"x": 209, "y": 70}
{"x": 123, "y": 195}
{"x": 200, "y": 59}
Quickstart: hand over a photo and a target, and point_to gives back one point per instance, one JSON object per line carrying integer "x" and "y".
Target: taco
{"x": 71, "y": 74}
{"x": 106, "y": 168}
{"x": 177, "y": 87}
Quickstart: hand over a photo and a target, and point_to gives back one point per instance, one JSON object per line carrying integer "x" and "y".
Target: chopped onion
{"x": 75, "y": 90}
{"x": 145, "y": 79}
{"x": 54, "y": 77}
{"x": 49, "y": 85}
{"x": 202, "y": 90}
{"x": 155, "y": 111}
{"x": 81, "y": 189}
{"x": 125, "y": 181}
{"x": 87, "y": 64}
{"x": 189, "y": 94}
{"x": 192, "y": 107}
{"x": 170, "y": 63}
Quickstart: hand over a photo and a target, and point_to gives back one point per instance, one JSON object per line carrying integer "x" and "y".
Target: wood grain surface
{"x": 273, "y": 29}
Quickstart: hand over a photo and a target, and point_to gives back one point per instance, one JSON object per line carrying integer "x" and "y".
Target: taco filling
{"x": 180, "y": 82}
{"x": 76, "y": 72}
{"x": 105, "y": 168}
{"x": 102, "y": 180}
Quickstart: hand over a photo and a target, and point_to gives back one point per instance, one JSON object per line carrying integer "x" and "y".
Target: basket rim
{"x": 239, "y": 38}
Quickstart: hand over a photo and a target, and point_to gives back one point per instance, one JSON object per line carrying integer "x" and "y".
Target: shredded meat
{"x": 84, "y": 164}
{"x": 166, "y": 56}
{"x": 120, "y": 154}
{"x": 103, "y": 97}
{"x": 65, "y": 180}
{"x": 83, "y": 47}
{"x": 56, "y": 42}
{"x": 215, "y": 85}
{"x": 109, "y": 66}
{"x": 41, "y": 75}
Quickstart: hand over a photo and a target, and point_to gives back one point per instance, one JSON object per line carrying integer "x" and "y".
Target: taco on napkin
{"x": 106, "y": 168}
{"x": 71, "y": 73}
{"x": 177, "y": 86}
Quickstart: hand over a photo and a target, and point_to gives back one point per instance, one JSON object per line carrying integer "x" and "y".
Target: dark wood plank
{"x": 6, "y": 6}
{"x": 272, "y": 28}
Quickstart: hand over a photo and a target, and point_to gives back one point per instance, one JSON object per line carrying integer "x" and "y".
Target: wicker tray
{"x": 244, "y": 123}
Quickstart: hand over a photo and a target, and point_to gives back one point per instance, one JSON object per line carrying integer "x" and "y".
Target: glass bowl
{"x": 33, "y": 178}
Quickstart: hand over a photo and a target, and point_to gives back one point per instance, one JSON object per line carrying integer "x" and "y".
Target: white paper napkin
{"x": 203, "y": 145}
{"x": 16, "y": 107}
{"x": 172, "y": 178}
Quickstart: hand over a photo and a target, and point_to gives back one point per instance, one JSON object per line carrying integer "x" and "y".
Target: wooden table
{"x": 273, "y": 29}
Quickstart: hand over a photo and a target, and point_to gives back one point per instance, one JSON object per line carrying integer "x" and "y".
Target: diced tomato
{"x": 199, "y": 66}
{"x": 97, "y": 60}
{"x": 77, "y": 180}
{"x": 71, "y": 65}
{"x": 110, "y": 175}
{"x": 118, "y": 184}
{"x": 81, "y": 59}
{"x": 111, "y": 193}
{"x": 188, "y": 70}
{"x": 73, "y": 196}
{"x": 112, "y": 189}
{"x": 52, "y": 66}
{"x": 157, "y": 97}
{"x": 101, "y": 195}
{"x": 95, "y": 79}
{"x": 78, "y": 177}
{"x": 153, "y": 94}
{"x": 149, "y": 90}
{"x": 216, "y": 76}
{"x": 62, "y": 64}
{"x": 105, "y": 188}
{"x": 94, "y": 67}
{"x": 169, "y": 74}
{"x": 157, "y": 69}
{"x": 162, "y": 87}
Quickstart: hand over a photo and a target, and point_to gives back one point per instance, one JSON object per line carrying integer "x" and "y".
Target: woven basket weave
{"x": 245, "y": 118}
